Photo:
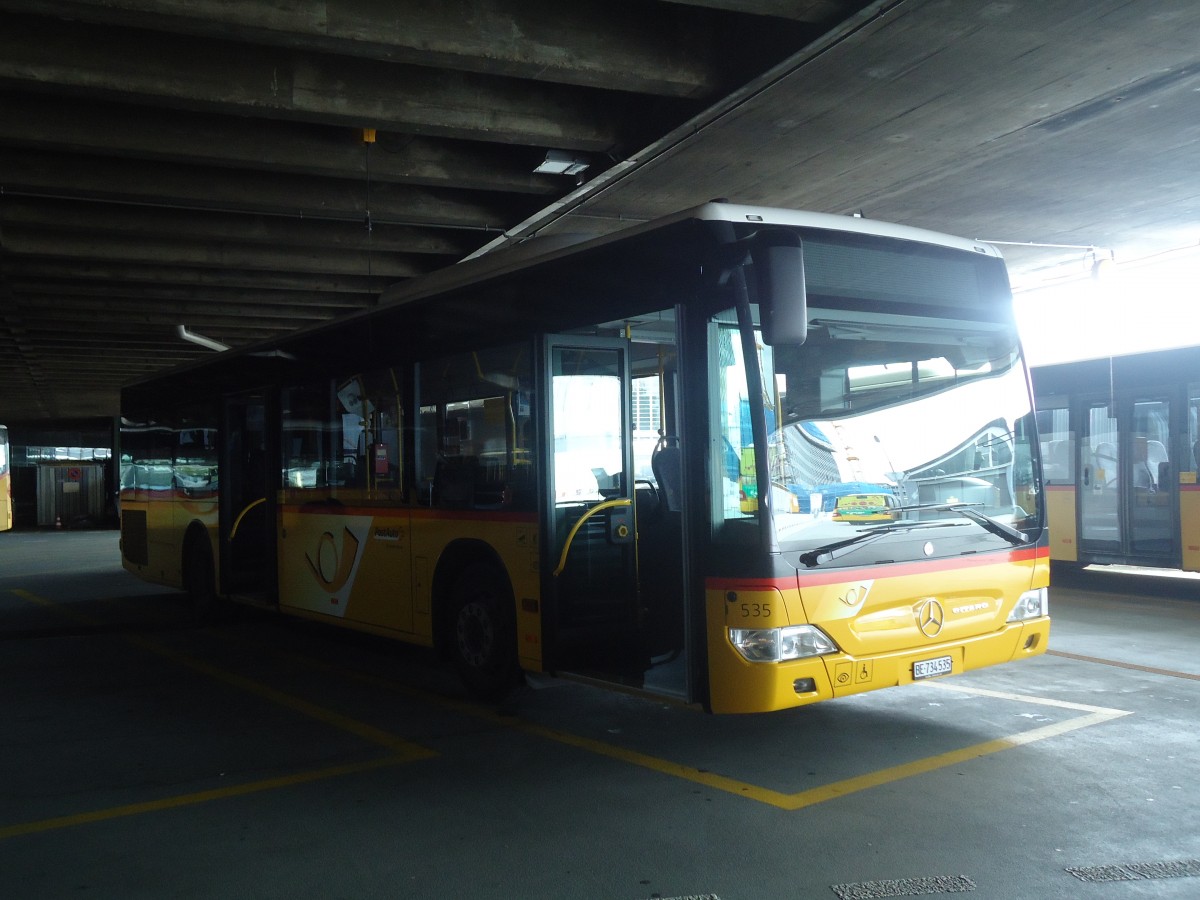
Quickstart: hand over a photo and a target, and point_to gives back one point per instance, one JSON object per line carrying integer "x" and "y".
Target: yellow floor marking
{"x": 402, "y": 751}
{"x": 1095, "y": 715}
{"x": 398, "y": 746}
{"x": 1124, "y": 665}
{"x": 181, "y": 800}
{"x": 847, "y": 786}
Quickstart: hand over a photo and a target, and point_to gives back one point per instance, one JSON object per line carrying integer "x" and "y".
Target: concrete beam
{"x": 585, "y": 42}
{"x": 95, "y": 218}
{"x": 133, "y": 132}
{"x": 67, "y": 295}
{"x": 63, "y": 176}
{"x": 224, "y": 76}
{"x": 20, "y": 271}
{"x": 813, "y": 12}
{"x": 221, "y": 255}
{"x": 195, "y": 315}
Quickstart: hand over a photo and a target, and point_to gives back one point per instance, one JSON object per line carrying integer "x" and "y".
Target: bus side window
{"x": 312, "y": 445}
{"x": 474, "y": 442}
{"x": 382, "y": 411}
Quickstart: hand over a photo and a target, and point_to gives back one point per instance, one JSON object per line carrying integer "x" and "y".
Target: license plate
{"x": 928, "y": 668}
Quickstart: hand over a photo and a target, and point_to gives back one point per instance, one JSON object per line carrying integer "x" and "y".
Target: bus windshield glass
{"x": 884, "y": 420}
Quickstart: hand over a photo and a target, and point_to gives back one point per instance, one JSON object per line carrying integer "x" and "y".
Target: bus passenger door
{"x": 592, "y": 616}
{"x": 247, "y": 496}
{"x": 1100, "y": 524}
{"x": 1152, "y": 500}
{"x": 1129, "y": 485}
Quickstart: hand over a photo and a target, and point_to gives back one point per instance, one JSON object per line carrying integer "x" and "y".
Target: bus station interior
{"x": 176, "y": 178}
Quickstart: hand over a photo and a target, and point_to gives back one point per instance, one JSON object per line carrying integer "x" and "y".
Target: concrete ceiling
{"x": 203, "y": 163}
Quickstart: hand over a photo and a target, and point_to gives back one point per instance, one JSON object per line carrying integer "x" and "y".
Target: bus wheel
{"x": 199, "y": 577}
{"x": 483, "y": 632}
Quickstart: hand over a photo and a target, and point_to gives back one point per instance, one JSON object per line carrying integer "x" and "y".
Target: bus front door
{"x": 247, "y": 497}
{"x": 592, "y": 617}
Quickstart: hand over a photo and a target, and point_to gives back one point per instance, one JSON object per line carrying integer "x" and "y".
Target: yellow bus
{"x": 6, "y": 503}
{"x": 1120, "y": 440}
{"x": 619, "y": 460}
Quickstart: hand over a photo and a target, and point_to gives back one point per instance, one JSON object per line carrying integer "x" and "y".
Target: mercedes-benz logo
{"x": 930, "y": 617}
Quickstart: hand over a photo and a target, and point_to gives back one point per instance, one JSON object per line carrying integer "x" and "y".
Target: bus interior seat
{"x": 454, "y": 482}
{"x": 648, "y": 501}
{"x": 667, "y": 465}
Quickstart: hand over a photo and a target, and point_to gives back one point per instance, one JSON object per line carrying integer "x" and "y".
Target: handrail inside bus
{"x": 242, "y": 515}
{"x": 607, "y": 504}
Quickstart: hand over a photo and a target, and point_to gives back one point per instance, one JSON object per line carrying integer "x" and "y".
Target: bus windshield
{"x": 884, "y": 420}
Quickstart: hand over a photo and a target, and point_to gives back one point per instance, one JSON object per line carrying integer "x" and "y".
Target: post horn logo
{"x": 331, "y": 568}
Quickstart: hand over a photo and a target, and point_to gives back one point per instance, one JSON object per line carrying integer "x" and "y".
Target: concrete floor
{"x": 147, "y": 757}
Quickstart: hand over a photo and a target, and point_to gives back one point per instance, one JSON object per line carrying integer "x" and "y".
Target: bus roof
{"x": 514, "y": 256}
{"x": 478, "y": 296}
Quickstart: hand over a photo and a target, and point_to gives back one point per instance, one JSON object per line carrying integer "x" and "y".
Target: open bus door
{"x": 613, "y": 542}
{"x": 247, "y": 496}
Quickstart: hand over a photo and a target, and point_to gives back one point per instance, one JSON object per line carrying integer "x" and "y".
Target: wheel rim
{"x": 476, "y": 634}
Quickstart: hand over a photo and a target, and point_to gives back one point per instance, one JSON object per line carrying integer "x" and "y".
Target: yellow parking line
{"x": 181, "y": 800}
{"x": 1172, "y": 673}
{"x": 813, "y": 796}
{"x": 1094, "y": 715}
{"x": 398, "y": 746}
{"x": 402, "y": 751}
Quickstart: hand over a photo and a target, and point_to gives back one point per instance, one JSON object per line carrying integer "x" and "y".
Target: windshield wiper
{"x": 995, "y": 526}
{"x": 810, "y": 557}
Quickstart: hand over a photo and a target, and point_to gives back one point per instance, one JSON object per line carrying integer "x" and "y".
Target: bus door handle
{"x": 607, "y": 505}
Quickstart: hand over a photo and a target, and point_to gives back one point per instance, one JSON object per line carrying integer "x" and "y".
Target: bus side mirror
{"x": 779, "y": 271}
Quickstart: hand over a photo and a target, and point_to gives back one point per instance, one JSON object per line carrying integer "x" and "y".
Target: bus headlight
{"x": 1032, "y": 605}
{"x": 778, "y": 644}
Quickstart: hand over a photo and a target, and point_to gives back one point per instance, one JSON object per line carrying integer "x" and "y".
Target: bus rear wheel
{"x": 483, "y": 632}
{"x": 199, "y": 577}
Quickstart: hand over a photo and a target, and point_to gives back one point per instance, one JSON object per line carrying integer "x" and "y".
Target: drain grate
{"x": 1137, "y": 871}
{"x": 904, "y": 887}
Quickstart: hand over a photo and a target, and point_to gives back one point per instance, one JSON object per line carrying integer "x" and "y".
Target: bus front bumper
{"x": 739, "y": 686}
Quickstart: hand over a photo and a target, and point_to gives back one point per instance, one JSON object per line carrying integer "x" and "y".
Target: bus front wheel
{"x": 483, "y": 632}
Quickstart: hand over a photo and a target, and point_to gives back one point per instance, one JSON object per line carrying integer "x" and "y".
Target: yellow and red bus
{"x": 1120, "y": 439}
{"x": 6, "y": 505}
{"x": 620, "y": 460}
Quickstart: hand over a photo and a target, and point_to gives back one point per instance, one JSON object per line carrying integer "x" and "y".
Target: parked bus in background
{"x": 1120, "y": 440}
{"x": 6, "y": 502}
{"x": 622, "y": 460}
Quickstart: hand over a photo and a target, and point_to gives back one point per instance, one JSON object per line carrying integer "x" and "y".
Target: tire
{"x": 483, "y": 633}
{"x": 200, "y": 578}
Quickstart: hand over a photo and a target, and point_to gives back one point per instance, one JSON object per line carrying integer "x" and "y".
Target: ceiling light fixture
{"x": 192, "y": 337}
{"x": 560, "y": 162}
